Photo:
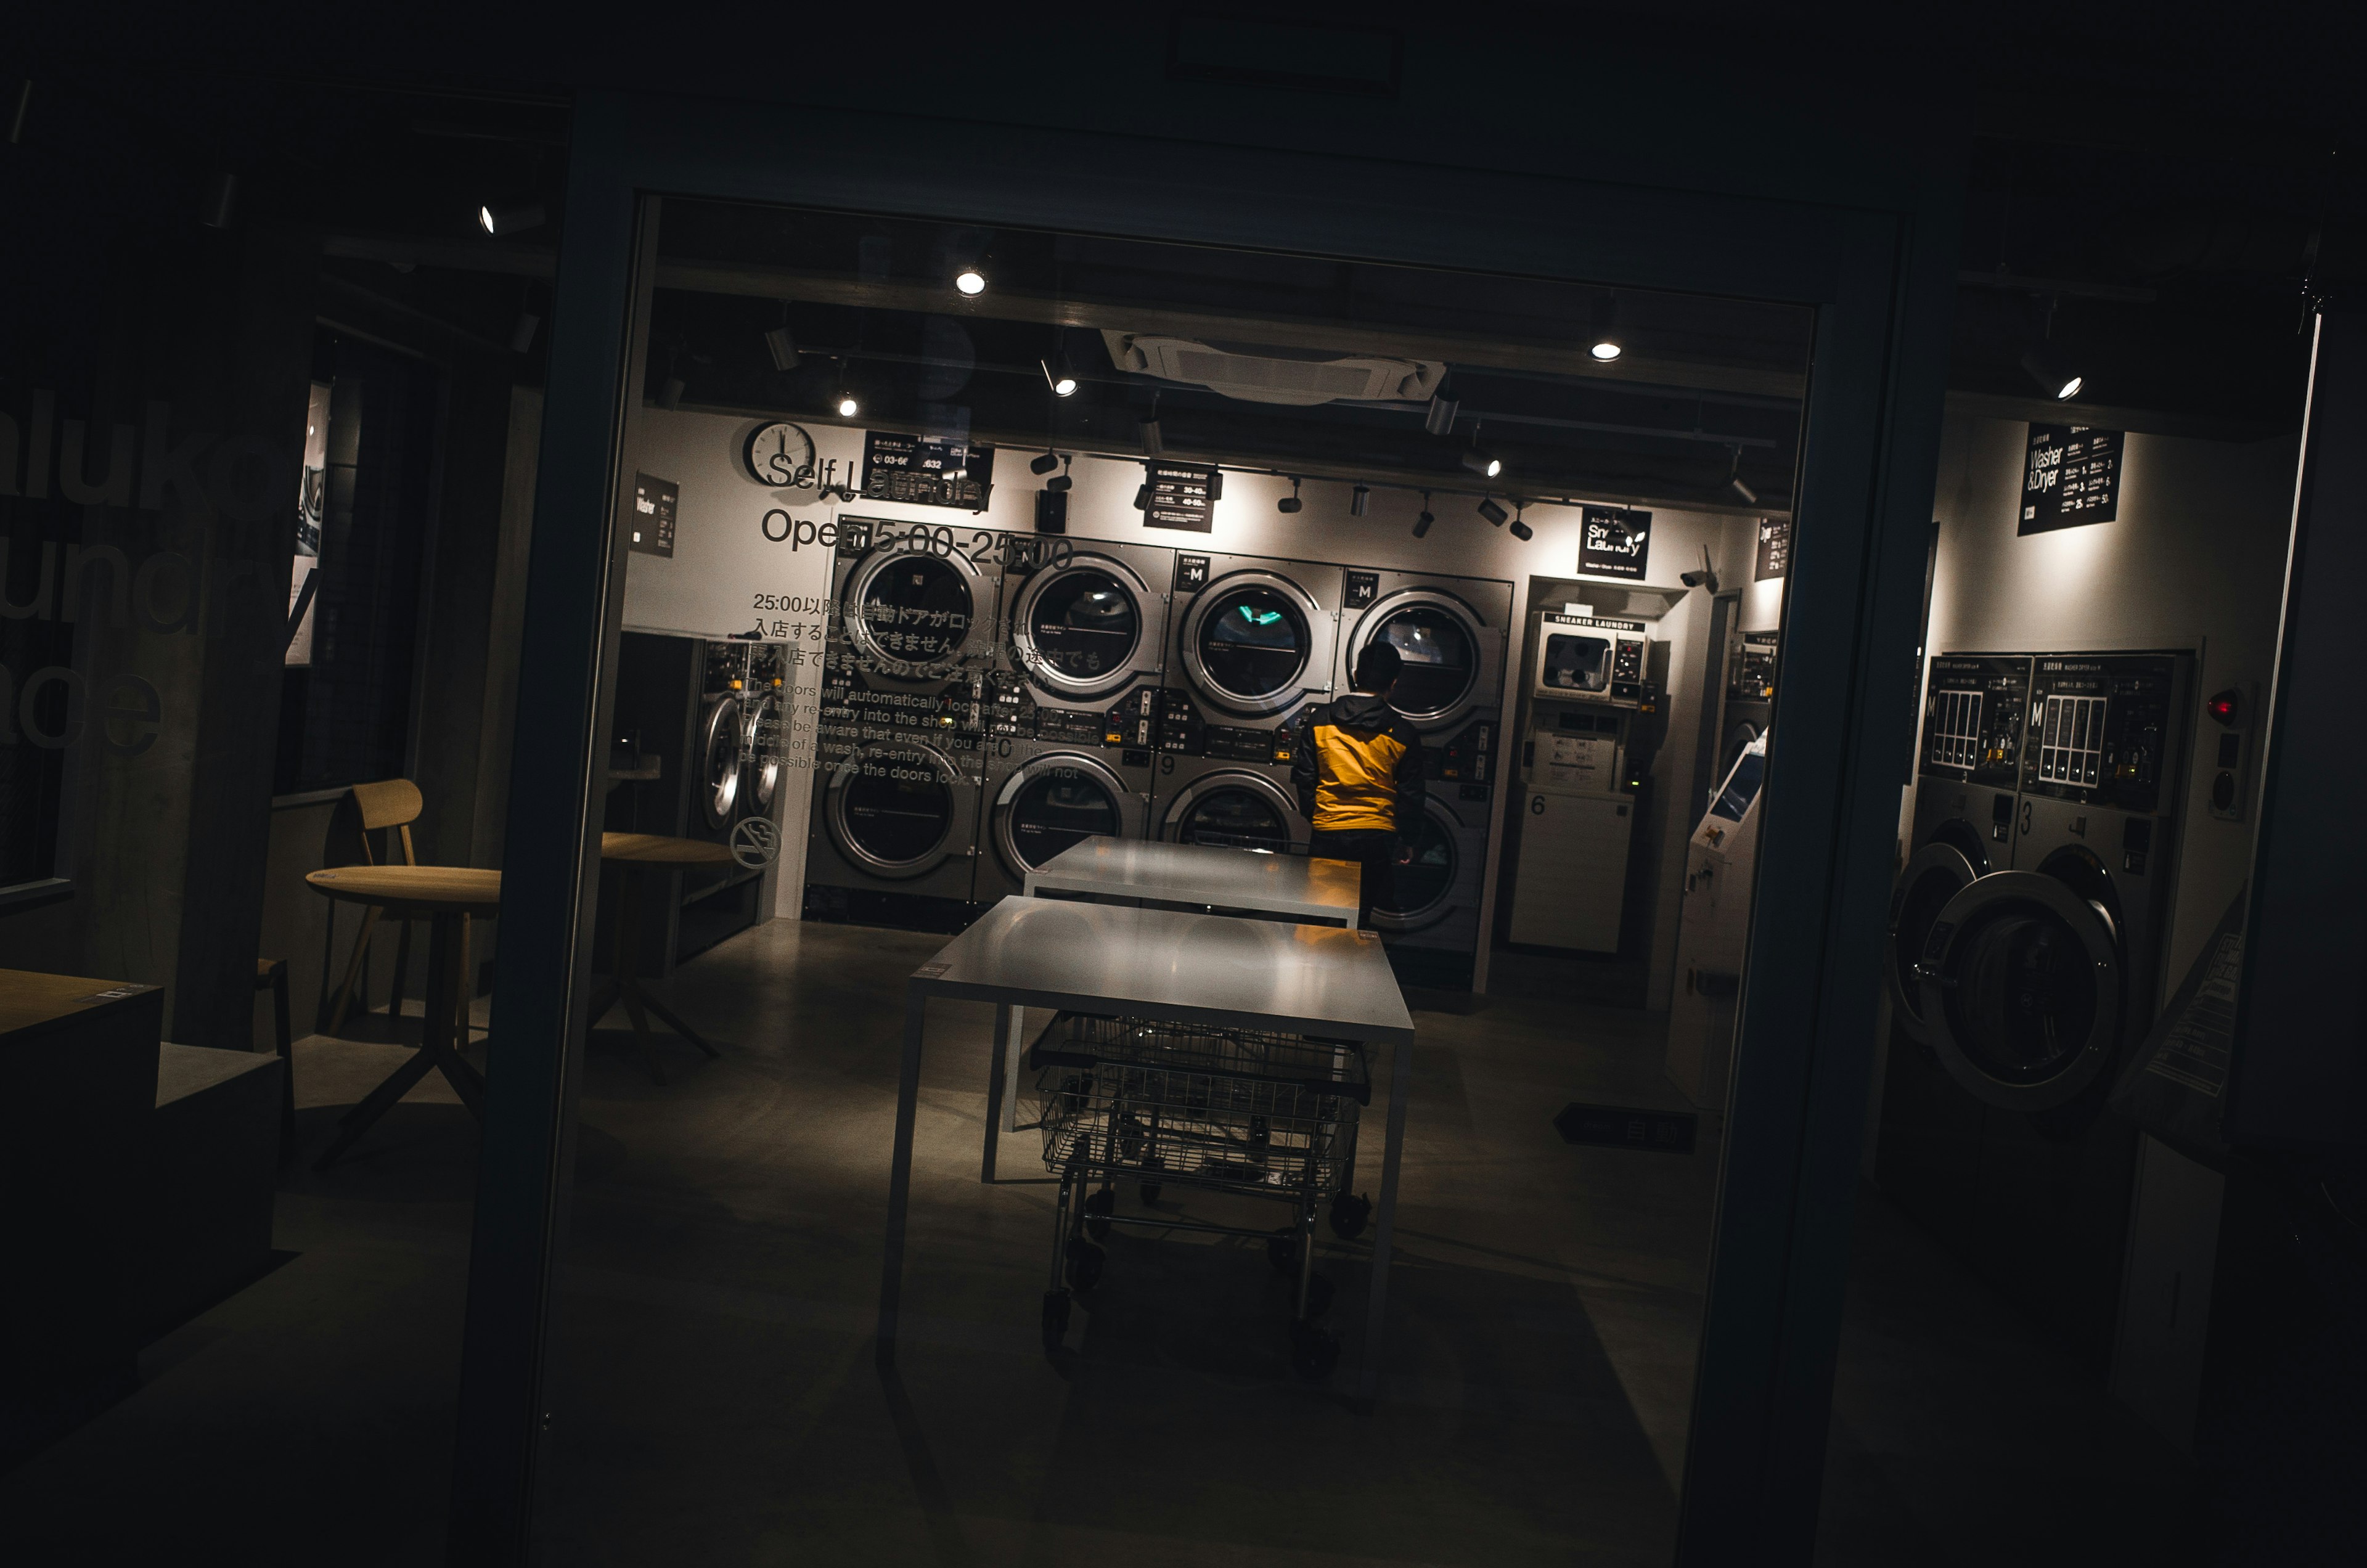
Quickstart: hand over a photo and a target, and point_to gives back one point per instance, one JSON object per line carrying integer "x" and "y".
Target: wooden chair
{"x": 389, "y": 806}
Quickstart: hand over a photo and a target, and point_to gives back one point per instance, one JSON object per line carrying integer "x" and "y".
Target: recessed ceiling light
{"x": 970, "y": 281}
{"x": 847, "y": 406}
{"x": 1605, "y": 350}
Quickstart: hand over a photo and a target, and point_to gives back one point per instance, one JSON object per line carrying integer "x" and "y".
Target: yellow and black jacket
{"x": 1357, "y": 764}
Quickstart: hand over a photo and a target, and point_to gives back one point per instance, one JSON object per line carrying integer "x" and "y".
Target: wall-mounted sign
{"x": 926, "y": 470}
{"x": 1614, "y": 542}
{"x": 1774, "y": 548}
{"x": 2070, "y": 475}
{"x": 655, "y": 501}
{"x": 1182, "y": 496}
{"x": 1364, "y": 587}
{"x": 1191, "y": 573}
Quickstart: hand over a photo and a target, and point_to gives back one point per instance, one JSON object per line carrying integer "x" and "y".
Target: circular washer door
{"x": 1248, "y": 642}
{"x": 1425, "y": 882}
{"x": 890, "y": 808}
{"x": 763, "y": 752}
{"x": 1443, "y": 648}
{"x": 719, "y": 748}
{"x": 1240, "y": 811}
{"x": 1054, "y": 801}
{"x": 916, "y": 617}
{"x": 1936, "y": 874}
{"x": 1076, "y": 628}
{"x": 2020, "y": 982}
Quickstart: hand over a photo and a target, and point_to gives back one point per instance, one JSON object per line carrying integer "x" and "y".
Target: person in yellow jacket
{"x": 1358, "y": 767}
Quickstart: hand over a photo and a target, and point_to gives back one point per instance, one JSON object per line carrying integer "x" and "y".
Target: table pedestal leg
{"x": 625, "y": 984}
{"x": 434, "y": 1054}
{"x": 1385, "y": 1225}
{"x": 998, "y": 1089}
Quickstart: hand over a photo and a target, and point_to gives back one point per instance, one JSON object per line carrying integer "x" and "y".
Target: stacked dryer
{"x": 2026, "y": 953}
{"x": 898, "y": 763}
{"x": 1451, "y": 633}
{"x": 1253, "y": 641}
{"x": 1073, "y": 702}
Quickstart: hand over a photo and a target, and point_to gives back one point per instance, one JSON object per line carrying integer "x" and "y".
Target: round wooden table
{"x": 445, "y": 897}
{"x": 634, "y": 854}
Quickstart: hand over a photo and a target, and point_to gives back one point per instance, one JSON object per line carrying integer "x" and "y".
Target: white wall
{"x": 2195, "y": 561}
{"x": 722, "y": 562}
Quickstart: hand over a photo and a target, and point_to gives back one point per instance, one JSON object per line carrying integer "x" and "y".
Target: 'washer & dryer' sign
{"x": 1615, "y": 542}
{"x": 2070, "y": 475}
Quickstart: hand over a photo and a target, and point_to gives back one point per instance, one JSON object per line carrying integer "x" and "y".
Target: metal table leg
{"x": 1384, "y": 1225}
{"x": 998, "y": 1089}
{"x": 899, "y": 1173}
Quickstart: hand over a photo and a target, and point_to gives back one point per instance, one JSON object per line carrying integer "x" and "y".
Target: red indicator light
{"x": 2223, "y": 708}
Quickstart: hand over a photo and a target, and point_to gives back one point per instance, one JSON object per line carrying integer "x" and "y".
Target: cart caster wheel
{"x": 1349, "y": 1210}
{"x": 1099, "y": 1206}
{"x": 1281, "y": 1249}
{"x": 1056, "y": 1319}
{"x": 1319, "y": 1292}
{"x": 1314, "y": 1352}
{"x": 1085, "y": 1262}
{"x": 1150, "y": 1192}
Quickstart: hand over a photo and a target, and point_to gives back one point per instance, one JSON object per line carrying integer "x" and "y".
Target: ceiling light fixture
{"x": 1289, "y": 503}
{"x": 1360, "y": 500}
{"x": 970, "y": 281}
{"x": 1521, "y": 530}
{"x": 1439, "y": 418}
{"x": 783, "y": 346}
{"x": 1045, "y": 464}
{"x": 1606, "y": 346}
{"x": 1059, "y": 375}
{"x": 1492, "y": 512}
{"x": 1153, "y": 441}
{"x": 2053, "y": 373}
{"x": 1060, "y": 482}
{"x": 501, "y": 221}
{"x": 1421, "y": 523}
{"x": 1734, "y": 481}
{"x": 1487, "y": 465}
{"x": 1142, "y": 497}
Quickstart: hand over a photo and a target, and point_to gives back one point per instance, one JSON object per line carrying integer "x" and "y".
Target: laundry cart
{"x": 1250, "y": 1112}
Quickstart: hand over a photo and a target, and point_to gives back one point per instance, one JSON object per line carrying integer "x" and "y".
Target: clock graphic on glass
{"x": 780, "y": 457}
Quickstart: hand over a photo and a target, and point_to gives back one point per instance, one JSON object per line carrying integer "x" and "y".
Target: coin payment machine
{"x": 1594, "y": 724}
{"x": 1713, "y": 923}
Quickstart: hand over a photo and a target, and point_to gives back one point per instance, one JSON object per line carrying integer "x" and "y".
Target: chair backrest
{"x": 389, "y": 803}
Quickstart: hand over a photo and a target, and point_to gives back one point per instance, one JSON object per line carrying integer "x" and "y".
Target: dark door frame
{"x": 1875, "y": 258}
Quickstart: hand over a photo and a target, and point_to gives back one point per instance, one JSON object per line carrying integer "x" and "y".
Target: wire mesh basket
{"x": 1242, "y": 1109}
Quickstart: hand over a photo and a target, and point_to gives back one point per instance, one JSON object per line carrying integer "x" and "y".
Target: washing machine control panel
{"x": 1180, "y": 729}
{"x": 2101, "y": 729}
{"x": 1976, "y": 710}
{"x": 1013, "y": 713}
{"x": 1469, "y": 756}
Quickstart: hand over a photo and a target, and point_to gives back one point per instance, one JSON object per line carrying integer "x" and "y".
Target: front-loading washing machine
{"x": 1252, "y": 642}
{"x": 2036, "y": 982}
{"x": 1967, "y": 784}
{"x": 1073, "y": 703}
{"x": 1451, "y": 634}
{"x": 899, "y": 753}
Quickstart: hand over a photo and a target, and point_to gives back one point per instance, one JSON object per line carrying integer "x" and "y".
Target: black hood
{"x": 1361, "y": 710}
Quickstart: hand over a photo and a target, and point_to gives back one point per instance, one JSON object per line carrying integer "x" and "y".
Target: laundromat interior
{"x": 991, "y": 1129}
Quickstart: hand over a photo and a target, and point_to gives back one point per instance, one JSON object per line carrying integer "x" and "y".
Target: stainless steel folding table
{"x": 1158, "y": 964}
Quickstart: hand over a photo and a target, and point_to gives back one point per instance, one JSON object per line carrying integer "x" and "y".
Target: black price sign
{"x": 2070, "y": 476}
{"x": 926, "y": 470}
{"x": 1774, "y": 548}
{"x": 1181, "y": 496}
{"x": 1614, "y": 542}
{"x": 655, "y": 501}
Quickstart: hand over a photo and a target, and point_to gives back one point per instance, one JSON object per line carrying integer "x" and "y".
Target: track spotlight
{"x": 1059, "y": 483}
{"x": 1492, "y": 512}
{"x": 1734, "y": 481}
{"x": 970, "y": 281}
{"x": 1045, "y": 464}
{"x": 847, "y": 405}
{"x": 220, "y": 200}
{"x": 1487, "y": 465}
{"x": 783, "y": 346}
{"x": 1421, "y": 523}
{"x": 1142, "y": 497}
{"x": 1153, "y": 441}
{"x": 1359, "y": 499}
{"x": 1059, "y": 375}
{"x": 1216, "y": 484}
{"x": 501, "y": 221}
{"x": 1521, "y": 530}
{"x": 2053, "y": 373}
{"x": 523, "y": 330}
{"x": 1606, "y": 346}
{"x": 1289, "y": 503}
{"x": 1439, "y": 418}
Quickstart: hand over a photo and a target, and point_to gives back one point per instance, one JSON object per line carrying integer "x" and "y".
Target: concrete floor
{"x": 714, "y": 1398}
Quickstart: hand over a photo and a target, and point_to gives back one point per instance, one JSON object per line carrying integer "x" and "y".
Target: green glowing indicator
{"x": 1259, "y": 617}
